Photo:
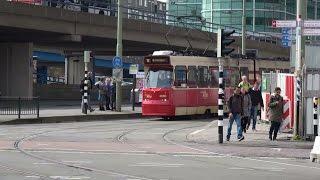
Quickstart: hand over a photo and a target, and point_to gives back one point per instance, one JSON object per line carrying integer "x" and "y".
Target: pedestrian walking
{"x": 246, "y": 109}
{"x": 275, "y": 113}
{"x": 244, "y": 83}
{"x": 108, "y": 92}
{"x": 101, "y": 93}
{"x": 257, "y": 102}
{"x": 235, "y": 105}
{"x": 113, "y": 95}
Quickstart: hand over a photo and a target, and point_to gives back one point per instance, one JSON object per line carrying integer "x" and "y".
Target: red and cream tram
{"x": 188, "y": 85}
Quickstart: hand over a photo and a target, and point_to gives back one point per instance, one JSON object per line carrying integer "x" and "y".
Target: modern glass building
{"x": 259, "y": 13}
{"x": 188, "y": 11}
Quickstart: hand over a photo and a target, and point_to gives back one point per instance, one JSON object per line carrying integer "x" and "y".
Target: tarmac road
{"x": 130, "y": 150}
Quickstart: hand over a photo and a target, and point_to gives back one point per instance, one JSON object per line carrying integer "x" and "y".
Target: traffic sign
{"x": 286, "y": 37}
{"x": 117, "y": 74}
{"x": 117, "y": 62}
{"x": 286, "y": 31}
{"x": 283, "y": 23}
{"x": 286, "y": 44}
{"x": 311, "y": 23}
{"x": 311, "y": 32}
{"x": 140, "y": 75}
{"x": 134, "y": 68}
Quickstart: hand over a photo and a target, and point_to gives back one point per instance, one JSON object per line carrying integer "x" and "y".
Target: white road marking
{"x": 276, "y": 149}
{"x": 41, "y": 144}
{"x": 78, "y": 162}
{"x": 197, "y": 131}
{"x": 156, "y": 165}
{"x": 69, "y": 177}
{"x": 240, "y": 168}
{"x": 34, "y": 177}
{"x": 198, "y": 155}
{"x": 43, "y": 163}
{"x": 97, "y": 153}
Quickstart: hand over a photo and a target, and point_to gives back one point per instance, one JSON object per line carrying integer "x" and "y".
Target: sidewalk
{"x": 255, "y": 143}
{"x": 63, "y": 111}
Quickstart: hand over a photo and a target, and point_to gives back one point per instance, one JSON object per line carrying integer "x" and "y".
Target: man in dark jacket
{"x": 235, "y": 105}
{"x": 256, "y": 101}
{"x": 275, "y": 113}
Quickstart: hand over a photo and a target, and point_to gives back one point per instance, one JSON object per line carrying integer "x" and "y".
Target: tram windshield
{"x": 159, "y": 78}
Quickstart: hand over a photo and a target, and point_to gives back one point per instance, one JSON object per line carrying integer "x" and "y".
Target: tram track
{"x": 23, "y": 172}
{"x": 18, "y": 146}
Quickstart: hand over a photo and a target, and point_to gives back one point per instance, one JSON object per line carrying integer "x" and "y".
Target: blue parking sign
{"x": 117, "y": 62}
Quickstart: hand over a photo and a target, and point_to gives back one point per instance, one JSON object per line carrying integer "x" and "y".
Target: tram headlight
{"x": 163, "y": 97}
{"x": 147, "y": 96}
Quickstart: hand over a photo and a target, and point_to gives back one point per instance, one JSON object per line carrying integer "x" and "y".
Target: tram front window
{"x": 159, "y": 79}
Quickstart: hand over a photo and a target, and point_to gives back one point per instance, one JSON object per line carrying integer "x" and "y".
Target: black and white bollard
{"x": 220, "y": 102}
{"x": 315, "y": 116}
{"x": 85, "y": 92}
{"x": 297, "y": 106}
{"x": 86, "y": 81}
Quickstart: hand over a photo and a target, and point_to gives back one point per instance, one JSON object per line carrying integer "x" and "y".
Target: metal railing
{"x": 19, "y": 106}
{"x": 155, "y": 16}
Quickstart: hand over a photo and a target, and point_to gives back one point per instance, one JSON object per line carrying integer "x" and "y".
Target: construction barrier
{"x": 286, "y": 114}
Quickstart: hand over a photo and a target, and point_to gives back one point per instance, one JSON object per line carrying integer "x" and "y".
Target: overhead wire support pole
{"x": 298, "y": 68}
{"x": 119, "y": 54}
{"x": 243, "y": 39}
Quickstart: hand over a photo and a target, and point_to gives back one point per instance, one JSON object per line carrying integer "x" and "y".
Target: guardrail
{"x": 155, "y": 16}
{"x": 19, "y": 106}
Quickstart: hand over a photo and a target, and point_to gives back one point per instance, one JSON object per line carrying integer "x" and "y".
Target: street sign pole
{"x": 134, "y": 69}
{"x": 119, "y": 54}
{"x": 220, "y": 91}
{"x": 133, "y": 91}
{"x": 85, "y": 97}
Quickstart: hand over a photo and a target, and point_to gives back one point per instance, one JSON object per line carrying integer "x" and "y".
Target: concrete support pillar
{"x": 75, "y": 69}
{"x": 16, "y": 69}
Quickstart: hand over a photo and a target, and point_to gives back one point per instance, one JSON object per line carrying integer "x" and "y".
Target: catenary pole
{"x": 119, "y": 54}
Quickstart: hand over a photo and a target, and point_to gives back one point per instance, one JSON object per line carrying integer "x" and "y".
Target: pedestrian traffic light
{"x": 224, "y": 40}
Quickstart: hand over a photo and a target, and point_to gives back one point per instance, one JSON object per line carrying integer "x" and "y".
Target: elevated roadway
{"x": 75, "y": 31}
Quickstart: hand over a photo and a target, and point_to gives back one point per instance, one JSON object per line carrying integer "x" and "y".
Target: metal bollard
{"x": 220, "y": 102}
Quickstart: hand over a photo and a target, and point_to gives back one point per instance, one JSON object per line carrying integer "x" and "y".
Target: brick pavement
{"x": 255, "y": 143}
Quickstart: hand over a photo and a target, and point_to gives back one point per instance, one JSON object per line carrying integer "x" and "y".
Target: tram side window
{"x": 214, "y": 77}
{"x": 244, "y": 71}
{"x": 180, "y": 76}
{"x": 234, "y": 77}
{"x": 203, "y": 76}
{"x": 192, "y": 76}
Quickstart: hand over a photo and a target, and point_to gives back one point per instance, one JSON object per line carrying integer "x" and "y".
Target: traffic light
{"x": 224, "y": 40}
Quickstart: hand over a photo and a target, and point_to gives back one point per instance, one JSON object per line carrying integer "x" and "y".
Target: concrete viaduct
{"x": 25, "y": 27}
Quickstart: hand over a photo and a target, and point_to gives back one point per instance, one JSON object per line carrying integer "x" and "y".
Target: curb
{"x": 77, "y": 118}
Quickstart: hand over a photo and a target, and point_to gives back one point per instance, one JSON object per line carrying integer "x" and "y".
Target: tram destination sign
{"x": 157, "y": 60}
